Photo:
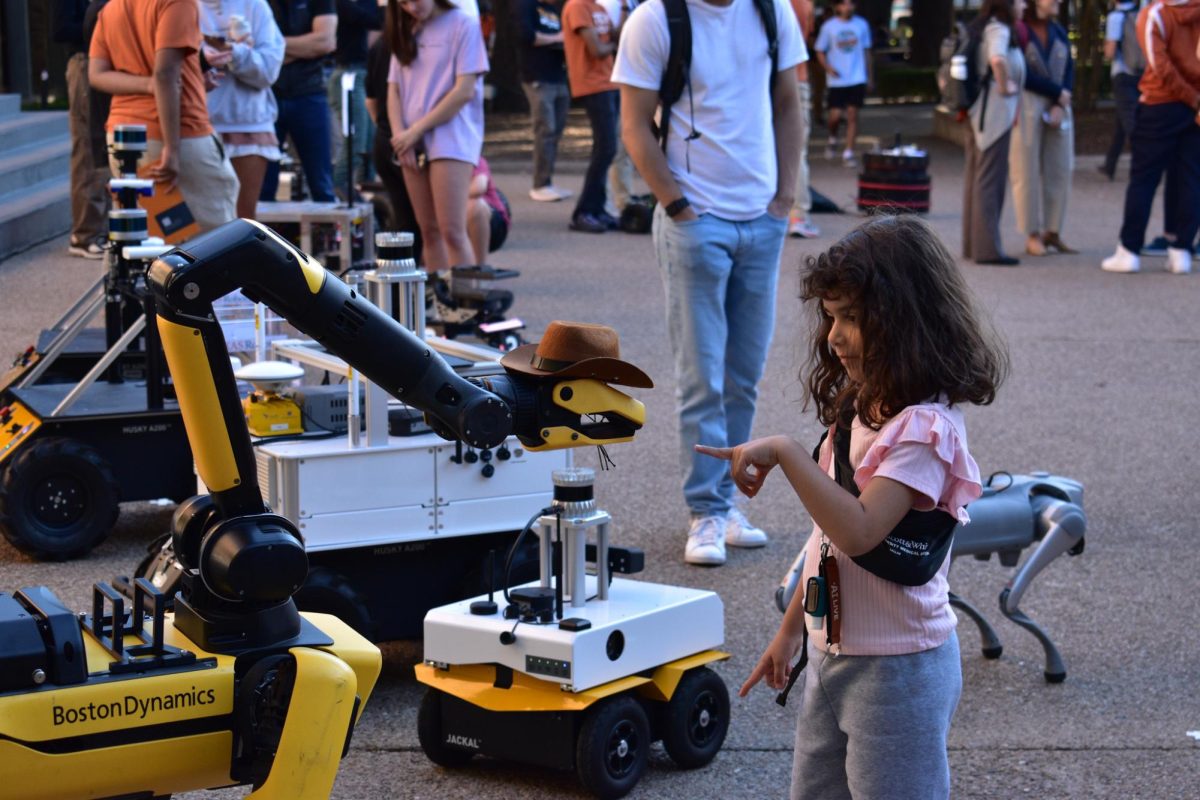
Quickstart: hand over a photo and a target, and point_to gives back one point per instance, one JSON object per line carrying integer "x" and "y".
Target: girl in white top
{"x": 244, "y": 50}
{"x": 897, "y": 346}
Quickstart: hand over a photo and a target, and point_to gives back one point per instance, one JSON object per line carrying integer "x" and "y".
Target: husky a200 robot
{"x": 236, "y": 687}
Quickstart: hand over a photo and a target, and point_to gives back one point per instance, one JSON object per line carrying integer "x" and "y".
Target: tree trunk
{"x": 931, "y": 24}
{"x": 505, "y": 74}
{"x": 1089, "y": 59}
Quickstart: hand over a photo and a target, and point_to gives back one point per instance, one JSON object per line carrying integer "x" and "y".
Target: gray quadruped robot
{"x": 578, "y": 670}
{"x": 1014, "y": 513}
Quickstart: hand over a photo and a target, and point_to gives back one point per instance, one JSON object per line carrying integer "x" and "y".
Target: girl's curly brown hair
{"x": 921, "y": 334}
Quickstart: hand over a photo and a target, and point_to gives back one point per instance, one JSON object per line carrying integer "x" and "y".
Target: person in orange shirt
{"x": 589, "y": 46}
{"x": 145, "y": 54}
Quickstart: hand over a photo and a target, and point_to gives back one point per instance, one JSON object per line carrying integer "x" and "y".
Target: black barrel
{"x": 894, "y": 183}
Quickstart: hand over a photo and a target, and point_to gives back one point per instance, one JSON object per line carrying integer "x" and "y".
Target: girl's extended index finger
{"x": 725, "y": 453}
{"x": 755, "y": 676}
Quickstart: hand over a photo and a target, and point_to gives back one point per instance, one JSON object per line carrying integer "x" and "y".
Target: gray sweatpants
{"x": 874, "y": 727}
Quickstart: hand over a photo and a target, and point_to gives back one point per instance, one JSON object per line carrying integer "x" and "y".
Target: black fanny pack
{"x": 915, "y": 549}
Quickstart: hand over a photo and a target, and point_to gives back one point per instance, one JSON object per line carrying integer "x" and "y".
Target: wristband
{"x": 674, "y": 207}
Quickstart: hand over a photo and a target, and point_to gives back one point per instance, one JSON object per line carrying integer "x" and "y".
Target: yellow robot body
{"x": 172, "y": 730}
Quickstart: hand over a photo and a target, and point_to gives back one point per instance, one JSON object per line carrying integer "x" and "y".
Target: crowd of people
{"x": 1022, "y": 131}
{"x": 898, "y": 346}
{"x": 222, "y": 85}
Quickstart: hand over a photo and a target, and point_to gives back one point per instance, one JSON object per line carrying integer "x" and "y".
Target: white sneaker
{"x": 706, "y": 542}
{"x": 547, "y": 194}
{"x": 1121, "y": 261}
{"x": 93, "y": 249}
{"x": 801, "y": 228}
{"x": 1179, "y": 261}
{"x": 848, "y": 159}
{"x": 740, "y": 533}
{"x": 562, "y": 193}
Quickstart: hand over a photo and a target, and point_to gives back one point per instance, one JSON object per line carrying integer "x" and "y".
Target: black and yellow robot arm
{"x": 248, "y": 256}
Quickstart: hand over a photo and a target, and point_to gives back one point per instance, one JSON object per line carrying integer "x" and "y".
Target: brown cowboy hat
{"x": 576, "y": 350}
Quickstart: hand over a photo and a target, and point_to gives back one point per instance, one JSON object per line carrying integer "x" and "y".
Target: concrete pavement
{"x": 1103, "y": 389}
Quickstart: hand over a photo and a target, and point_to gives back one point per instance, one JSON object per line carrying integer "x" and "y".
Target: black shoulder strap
{"x": 679, "y": 62}
{"x": 766, "y": 9}
{"x": 843, "y": 470}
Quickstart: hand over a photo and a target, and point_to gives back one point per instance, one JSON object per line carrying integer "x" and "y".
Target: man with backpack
{"x": 1166, "y": 135}
{"x": 1121, "y": 48}
{"x": 724, "y": 175}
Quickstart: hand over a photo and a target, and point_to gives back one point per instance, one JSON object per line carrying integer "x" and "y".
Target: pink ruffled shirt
{"x": 923, "y": 447}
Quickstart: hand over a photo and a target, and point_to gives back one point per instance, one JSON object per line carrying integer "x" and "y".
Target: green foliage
{"x": 904, "y": 84}
{"x": 55, "y": 104}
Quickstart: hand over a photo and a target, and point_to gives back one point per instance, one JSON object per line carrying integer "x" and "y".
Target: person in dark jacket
{"x": 355, "y": 19}
{"x": 310, "y": 34}
{"x": 544, "y": 79}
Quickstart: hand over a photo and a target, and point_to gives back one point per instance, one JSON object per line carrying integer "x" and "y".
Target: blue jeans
{"x": 720, "y": 279}
{"x": 1165, "y": 139}
{"x": 307, "y": 120}
{"x": 602, "y": 113}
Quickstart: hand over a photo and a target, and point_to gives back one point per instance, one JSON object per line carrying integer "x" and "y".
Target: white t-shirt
{"x": 845, "y": 44}
{"x": 729, "y": 170}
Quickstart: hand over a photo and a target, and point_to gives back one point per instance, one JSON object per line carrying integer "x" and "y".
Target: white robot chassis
{"x": 1014, "y": 513}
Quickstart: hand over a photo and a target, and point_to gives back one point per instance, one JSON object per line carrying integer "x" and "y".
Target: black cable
{"x": 1006, "y": 473}
{"x": 517, "y": 544}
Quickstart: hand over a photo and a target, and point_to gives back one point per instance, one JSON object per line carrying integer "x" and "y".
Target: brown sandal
{"x": 1052, "y": 242}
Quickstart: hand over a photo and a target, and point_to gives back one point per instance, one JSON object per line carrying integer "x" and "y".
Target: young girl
{"x": 897, "y": 347}
{"x": 435, "y": 108}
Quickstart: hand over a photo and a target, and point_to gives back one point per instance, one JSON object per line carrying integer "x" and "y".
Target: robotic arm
{"x": 242, "y": 551}
{"x": 248, "y": 256}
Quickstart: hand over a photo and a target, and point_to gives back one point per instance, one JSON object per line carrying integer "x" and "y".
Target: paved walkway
{"x": 1103, "y": 389}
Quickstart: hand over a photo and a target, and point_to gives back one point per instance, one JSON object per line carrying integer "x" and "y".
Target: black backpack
{"x": 960, "y": 94}
{"x": 679, "y": 61}
{"x": 1131, "y": 50}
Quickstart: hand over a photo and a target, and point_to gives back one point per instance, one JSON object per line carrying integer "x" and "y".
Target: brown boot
{"x": 1052, "y": 242}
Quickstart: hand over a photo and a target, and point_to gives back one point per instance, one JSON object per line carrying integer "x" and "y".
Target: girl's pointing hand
{"x": 749, "y": 463}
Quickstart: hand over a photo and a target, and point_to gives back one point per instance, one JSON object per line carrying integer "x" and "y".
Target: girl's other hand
{"x": 406, "y": 159}
{"x": 404, "y": 141}
{"x": 749, "y": 463}
{"x": 774, "y": 665}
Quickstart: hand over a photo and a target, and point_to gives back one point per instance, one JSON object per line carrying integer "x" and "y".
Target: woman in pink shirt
{"x": 435, "y": 107}
{"x": 898, "y": 346}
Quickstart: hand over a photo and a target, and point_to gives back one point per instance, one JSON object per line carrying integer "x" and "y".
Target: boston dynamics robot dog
{"x": 235, "y": 687}
{"x": 1014, "y": 513}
